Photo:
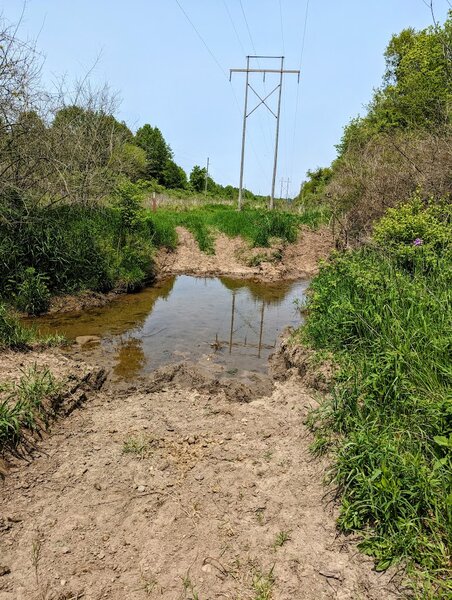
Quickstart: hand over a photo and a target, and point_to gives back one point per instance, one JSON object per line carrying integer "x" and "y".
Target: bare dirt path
{"x": 179, "y": 491}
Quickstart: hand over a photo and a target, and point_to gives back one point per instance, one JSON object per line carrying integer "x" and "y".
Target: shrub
{"x": 33, "y": 296}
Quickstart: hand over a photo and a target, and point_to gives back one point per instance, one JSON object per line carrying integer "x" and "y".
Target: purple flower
{"x": 418, "y": 242}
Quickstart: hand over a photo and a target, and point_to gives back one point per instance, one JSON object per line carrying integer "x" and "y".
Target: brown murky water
{"x": 230, "y": 326}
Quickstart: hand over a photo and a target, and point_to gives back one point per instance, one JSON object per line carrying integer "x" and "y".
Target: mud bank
{"x": 233, "y": 257}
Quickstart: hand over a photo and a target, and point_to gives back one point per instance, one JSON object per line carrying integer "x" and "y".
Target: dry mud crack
{"x": 177, "y": 491}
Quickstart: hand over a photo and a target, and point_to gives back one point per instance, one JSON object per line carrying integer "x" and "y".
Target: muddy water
{"x": 228, "y": 326}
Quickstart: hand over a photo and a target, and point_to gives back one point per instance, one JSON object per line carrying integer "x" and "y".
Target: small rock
{"x": 4, "y": 570}
{"x": 85, "y": 339}
{"x": 199, "y": 476}
{"x": 141, "y": 488}
{"x": 101, "y": 555}
{"x": 97, "y": 486}
{"x": 331, "y": 574}
{"x": 63, "y": 582}
{"x": 191, "y": 440}
{"x": 65, "y": 550}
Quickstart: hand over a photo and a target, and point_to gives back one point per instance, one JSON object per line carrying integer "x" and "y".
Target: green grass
{"x": 22, "y": 405}
{"x": 257, "y": 226}
{"x": 389, "y": 418}
{"x": 15, "y": 336}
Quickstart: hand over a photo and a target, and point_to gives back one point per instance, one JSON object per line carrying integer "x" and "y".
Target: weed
{"x": 22, "y": 404}
{"x": 263, "y": 585}
{"x": 260, "y": 516}
{"x": 148, "y": 584}
{"x": 268, "y": 455}
{"x": 281, "y": 538}
{"x": 189, "y": 588}
{"x": 36, "y": 547}
{"x": 136, "y": 445}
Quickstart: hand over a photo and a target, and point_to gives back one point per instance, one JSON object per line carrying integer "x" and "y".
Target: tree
{"x": 174, "y": 176}
{"x": 198, "y": 178}
{"x": 158, "y": 152}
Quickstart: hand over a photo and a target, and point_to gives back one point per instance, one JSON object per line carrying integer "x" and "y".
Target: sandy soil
{"x": 232, "y": 255}
{"x": 179, "y": 488}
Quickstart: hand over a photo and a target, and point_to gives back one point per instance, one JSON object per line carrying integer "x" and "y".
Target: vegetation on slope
{"x": 383, "y": 312}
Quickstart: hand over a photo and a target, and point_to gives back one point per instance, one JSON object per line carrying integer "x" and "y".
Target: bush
{"x": 416, "y": 234}
{"x": 33, "y": 296}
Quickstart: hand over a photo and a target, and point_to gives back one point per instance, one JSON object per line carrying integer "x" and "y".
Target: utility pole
{"x": 207, "y": 177}
{"x": 287, "y": 188}
{"x": 281, "y": 71}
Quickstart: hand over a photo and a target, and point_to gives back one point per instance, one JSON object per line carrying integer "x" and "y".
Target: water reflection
{"x": 228, "y": 324}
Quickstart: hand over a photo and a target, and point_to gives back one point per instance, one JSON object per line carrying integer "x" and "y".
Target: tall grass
{"x": 22, "y": 405}
{"x": 389, "y": 418}
{"x": 257, "y": 226}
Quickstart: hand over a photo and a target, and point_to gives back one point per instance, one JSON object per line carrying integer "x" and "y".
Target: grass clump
{"x": 387, "y": 321}
{"x": 22, "y": 405}
{"x": 263, "y": 585}
{"x": 12, "y": 334}
{"x": 139, "y": 446}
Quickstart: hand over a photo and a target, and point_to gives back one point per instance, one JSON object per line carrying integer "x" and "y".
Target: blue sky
{"x": 165, "y": 76}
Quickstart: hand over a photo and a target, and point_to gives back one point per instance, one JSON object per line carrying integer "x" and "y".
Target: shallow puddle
{"x": 230, "y": 326}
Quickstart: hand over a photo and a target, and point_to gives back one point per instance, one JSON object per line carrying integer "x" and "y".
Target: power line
{"x": 221, "y": 69}
{"x": 297, "y": 101}
{"x": 202, "y": 39}
{"x": 244, "y": 52}
{"x": 248, "y": 28}
{"x": 234, "y": 27}
{"x": 258, "y": 62}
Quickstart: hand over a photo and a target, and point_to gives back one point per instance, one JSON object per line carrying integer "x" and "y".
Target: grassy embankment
{"x": 68, "y": 248}
{"x": 384, "y": 314}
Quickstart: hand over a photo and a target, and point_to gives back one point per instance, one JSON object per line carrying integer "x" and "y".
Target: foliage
{"x": 174, "y": 177}
{"x": 387, "y": 322}
{"x": 312, "y": 190}
{"x": 12, "y": 333}
{"x": 158, "y": 153}
{"x": 417, "y": 234}
{"x": 198, "y": 178}
{"x": 22, "y": 405}
{"x": 257, "y": 226}
{"x": 74, "y": 248}
{"x": 33, "y": 296}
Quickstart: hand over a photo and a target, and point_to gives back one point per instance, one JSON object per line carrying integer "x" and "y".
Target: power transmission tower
{"x": 281, "y": 71}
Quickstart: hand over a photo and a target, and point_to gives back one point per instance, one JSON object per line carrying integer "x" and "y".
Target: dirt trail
{"x": 175, "y": 490}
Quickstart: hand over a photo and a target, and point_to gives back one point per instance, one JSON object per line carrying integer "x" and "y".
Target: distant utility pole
{"x": 207, "y": 177}
{"x": 263, "y": 101}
